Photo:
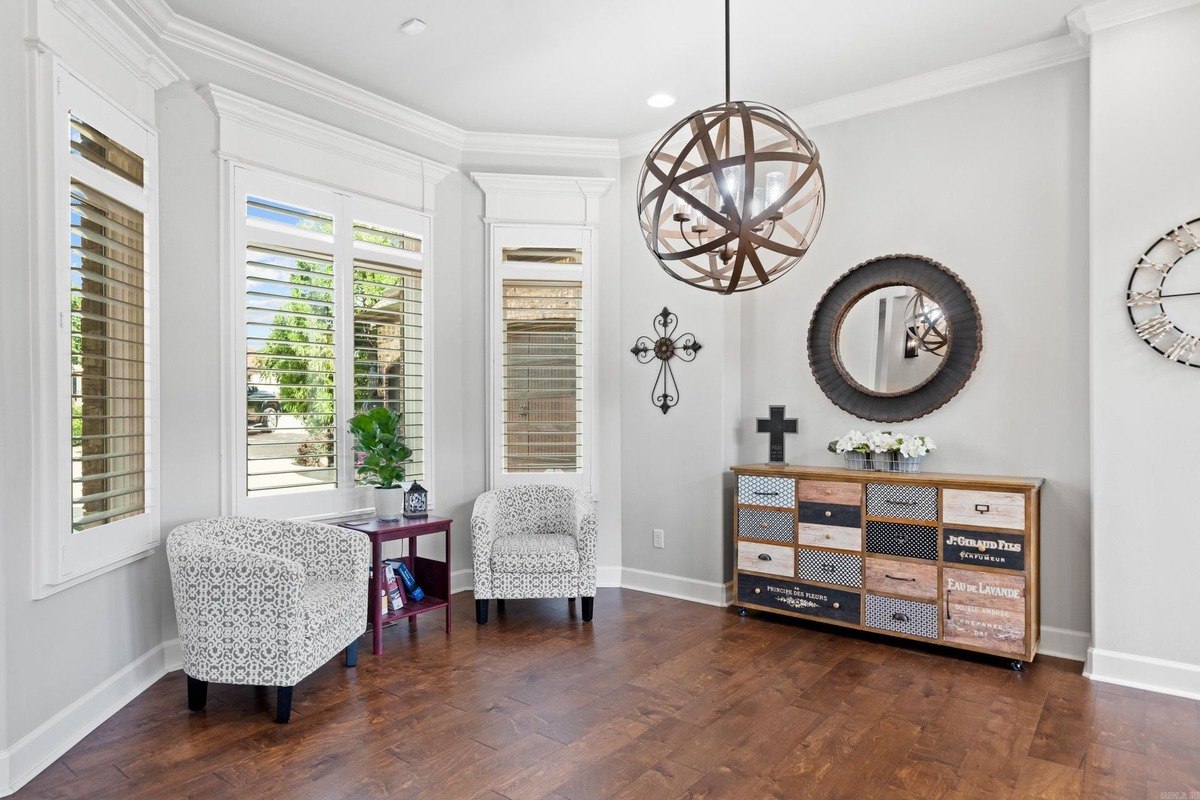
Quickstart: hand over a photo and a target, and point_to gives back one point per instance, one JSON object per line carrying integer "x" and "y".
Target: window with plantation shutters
{"x": 542, "y": 376}
{"x": 332, "y": 322}
{"x": 540, "y": 328}
{"x": 96, "y": 360}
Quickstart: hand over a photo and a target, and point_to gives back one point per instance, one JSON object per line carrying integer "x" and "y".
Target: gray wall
{"x": 991, "y": 182}
{"x": 1145, "y": 432}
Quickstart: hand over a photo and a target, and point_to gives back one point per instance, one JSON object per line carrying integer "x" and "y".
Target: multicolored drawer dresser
{"x": 951, "y": 559}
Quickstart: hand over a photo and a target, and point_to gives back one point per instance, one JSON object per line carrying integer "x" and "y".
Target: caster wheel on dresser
{"x": 1017, "y": 666}
{"x": 743, "y": 612}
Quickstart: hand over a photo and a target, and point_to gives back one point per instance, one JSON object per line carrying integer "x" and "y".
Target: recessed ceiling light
{"x": 413, "y": 26}
{"x": 660, "y": 100}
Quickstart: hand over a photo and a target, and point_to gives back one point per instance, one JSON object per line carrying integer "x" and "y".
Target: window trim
{"x": 63, "y": 557}
{"x": 505, "y": 235}
{"x": 238, "y": 181}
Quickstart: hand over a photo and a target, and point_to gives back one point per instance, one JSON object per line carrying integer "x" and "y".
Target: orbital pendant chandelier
{"x": 731, "y": 198}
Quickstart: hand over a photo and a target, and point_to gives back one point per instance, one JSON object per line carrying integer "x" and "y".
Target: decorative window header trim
{"x": 120, "y": 36}
{"x": 523, "y": 198}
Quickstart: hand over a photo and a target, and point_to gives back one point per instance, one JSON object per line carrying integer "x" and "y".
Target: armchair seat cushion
{"x": 324, "y": 603}
{"x": 535, "y": 553}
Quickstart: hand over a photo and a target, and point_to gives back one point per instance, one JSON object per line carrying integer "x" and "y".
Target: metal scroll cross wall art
{"x": 664, "y": 346}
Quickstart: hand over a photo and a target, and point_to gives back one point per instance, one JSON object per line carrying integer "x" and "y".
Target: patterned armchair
{"x": 265, "y": 602}
{"x": 533, "y": 541}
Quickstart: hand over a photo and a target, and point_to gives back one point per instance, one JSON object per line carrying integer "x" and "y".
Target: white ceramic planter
{"x": 389, "y": 503}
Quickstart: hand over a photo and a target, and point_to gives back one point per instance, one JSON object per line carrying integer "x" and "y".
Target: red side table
{"x": 431, "y": 575}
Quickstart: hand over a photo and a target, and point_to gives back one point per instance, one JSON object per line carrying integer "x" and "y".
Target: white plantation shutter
{"x": 542, "y": 371}
{"x": 389, "y": 350}
{"x": 332, "y": 323}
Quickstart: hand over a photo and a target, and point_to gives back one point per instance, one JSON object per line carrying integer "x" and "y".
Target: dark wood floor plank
{"x": 657, "y": 698}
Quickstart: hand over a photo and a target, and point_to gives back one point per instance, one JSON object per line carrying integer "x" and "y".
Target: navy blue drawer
{"x": 984, "y": 548}
{"x": 897, "y": 539}
{"x": 814, "y": 601}
{"x": 830, "y": 514}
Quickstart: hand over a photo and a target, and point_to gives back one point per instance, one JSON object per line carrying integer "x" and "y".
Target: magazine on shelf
{"x": 410, "y": 583}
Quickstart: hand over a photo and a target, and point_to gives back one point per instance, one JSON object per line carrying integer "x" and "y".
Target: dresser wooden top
{"x": 999, "y": 482}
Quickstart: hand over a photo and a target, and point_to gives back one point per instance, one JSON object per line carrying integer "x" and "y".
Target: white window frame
{"x": 64, "y": 557}
{"x": 501, "y": 236}
{"x": 346, "y": 499}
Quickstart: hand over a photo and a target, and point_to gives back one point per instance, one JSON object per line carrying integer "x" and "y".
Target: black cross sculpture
{"x": 777, "y": 426}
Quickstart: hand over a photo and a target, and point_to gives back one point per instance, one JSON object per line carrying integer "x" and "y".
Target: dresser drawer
{"x": 901, "y": 501}
{"x": 815, "y": 601}
{"x": 984, "y": 548}
{"x": 837, "y": 492}
{"x": 829, "y": 536}
{"x": 902, "y": 616}
{"x": 984, "y": 609}
{"x": 987, "y": 509}
{"x": 829, "y": 514}
{"x": 843, "y": 569}
{"x": 907, "y": 578}
{"x": 770, "y": 526}
{"x": 770, "y": 558}
{"x": 898, "y": 539}
{"x": 764, "y": 490}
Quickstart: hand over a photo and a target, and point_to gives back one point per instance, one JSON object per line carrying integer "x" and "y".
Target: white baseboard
{"x": 1064, "y": 643}
{"x": 710, "y": 593}
{"x": 1143, "y": 672}
{"x": 40, "y": 748}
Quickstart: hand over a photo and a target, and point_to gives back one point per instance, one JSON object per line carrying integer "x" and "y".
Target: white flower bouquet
{"x": 883, "y": 450}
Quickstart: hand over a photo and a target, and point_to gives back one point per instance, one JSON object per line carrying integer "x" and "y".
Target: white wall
{"x": 993, "y": 183}
{"x": 1145, "y": 427}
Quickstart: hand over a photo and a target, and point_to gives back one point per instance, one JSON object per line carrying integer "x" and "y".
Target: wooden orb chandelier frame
{"x": 703, "y": 212}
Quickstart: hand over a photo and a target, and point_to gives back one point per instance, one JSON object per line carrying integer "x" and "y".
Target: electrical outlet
{"x": 658, "y": 538}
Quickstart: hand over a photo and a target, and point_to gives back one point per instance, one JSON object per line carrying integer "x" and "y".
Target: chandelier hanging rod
{"x": 728, "y": 94}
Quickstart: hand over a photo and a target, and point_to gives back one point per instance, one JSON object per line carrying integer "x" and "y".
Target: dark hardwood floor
{"x": 658, "y": 698}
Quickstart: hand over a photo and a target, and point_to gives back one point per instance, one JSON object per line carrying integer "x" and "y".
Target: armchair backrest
{"x": 530, "y": 509}
{"x": 283, "y": 538}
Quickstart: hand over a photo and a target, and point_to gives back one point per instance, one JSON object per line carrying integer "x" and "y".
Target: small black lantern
{"x": 416, "y": 502}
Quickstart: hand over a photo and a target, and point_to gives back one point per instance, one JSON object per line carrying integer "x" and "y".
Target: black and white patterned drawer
{"x": 801, "y": 598}
{"x": 767, "y": 526}
{"x": 898, "y": 539}
{"x": 902, "y": 502}
{"x": 764, "y": 490}
{"x": 902, "y": 616}
{"x": 844, "y": 569}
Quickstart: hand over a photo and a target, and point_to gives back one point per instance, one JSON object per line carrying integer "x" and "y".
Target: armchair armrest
{"x": 328, "y": 552}
{"x": 584, "y": 531}
{"x": 483, "y": 535}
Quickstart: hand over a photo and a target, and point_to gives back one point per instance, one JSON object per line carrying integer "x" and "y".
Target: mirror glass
{"x": 892, "y": 340}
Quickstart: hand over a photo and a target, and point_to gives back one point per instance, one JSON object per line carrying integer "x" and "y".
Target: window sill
{"x": 49, "y": 589}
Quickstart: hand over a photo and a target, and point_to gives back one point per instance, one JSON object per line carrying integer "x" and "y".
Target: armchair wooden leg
{"x": 197, "y": 694}
{"x": 283, "y": 704}
{"x": 352, "y": 654}
{"x": 587, "y": 608}
{"x": 481, "y": 611}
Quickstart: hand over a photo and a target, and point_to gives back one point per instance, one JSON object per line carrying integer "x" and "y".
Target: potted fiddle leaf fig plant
{"x": 378, "y": 439}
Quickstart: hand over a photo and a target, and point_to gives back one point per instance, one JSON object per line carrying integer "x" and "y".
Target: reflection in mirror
{"x": 892, "y": 340}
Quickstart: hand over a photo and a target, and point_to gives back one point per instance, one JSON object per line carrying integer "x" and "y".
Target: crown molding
{"x": 927, "y": 86}
{"x": 556, "y": 199}
{"x": 1092, "y": 17}
{"x": 534, "y": 144}
{"x": 199, "y": 38}
{"x": 104, "y": 23}
{"x": 171, "y": 27}
{"x": 242, "y": 120}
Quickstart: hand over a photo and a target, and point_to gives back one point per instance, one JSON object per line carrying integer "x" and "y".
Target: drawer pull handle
{"x": 828, "y": 568}
{"x": 837, "y": 605}
{"x": 829, "y": 513}
{"x": 900, "y": 540}
{"x": 982, "y": 508}
{"x": 766, "y": 494}
{"x": 901, "y": 502}
{"x": 947, "y": 604}
{"x": 894, "y": 578}
{"x": 828, "y": 491}
{"x": 983, "y": 548}
{"x": 764, "y": 556}
{"x": 829, "y": 536}
{"x": 901, "y": 617}
{"x": 764, "y": 524}
{"x": 758, "y": 591}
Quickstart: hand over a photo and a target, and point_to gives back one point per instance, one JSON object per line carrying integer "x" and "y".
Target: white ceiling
{"x": 578, "y": 68}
